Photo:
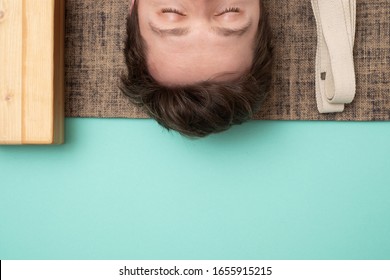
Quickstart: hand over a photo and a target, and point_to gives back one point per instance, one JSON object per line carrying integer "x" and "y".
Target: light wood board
{"x": 31, "y": 71}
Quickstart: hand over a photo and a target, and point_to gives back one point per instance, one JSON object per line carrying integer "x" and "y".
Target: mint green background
{"x": 127, "y": 189}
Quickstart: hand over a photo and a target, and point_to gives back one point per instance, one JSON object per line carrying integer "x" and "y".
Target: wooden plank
{"x": 10, "y": 72}
{"x": 59, "y": 71}
{"x": 40, "y": 117}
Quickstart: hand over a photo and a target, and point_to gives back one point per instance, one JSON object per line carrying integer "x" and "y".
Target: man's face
{"x": 190, "y": 41}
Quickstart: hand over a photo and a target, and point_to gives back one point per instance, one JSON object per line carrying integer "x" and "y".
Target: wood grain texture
{"x": 10, "y": 73}
{"x": 31, "y": 75}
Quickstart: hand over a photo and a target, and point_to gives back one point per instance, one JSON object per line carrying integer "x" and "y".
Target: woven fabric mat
{"x": 96, "y": 30}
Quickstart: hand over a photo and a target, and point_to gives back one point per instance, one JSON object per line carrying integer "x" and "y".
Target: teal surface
{"x": 127, "y": 189}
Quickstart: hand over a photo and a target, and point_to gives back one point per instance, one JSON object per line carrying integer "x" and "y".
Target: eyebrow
{"x": 169, "y": 32}
{"x": 226, "y": 32}
{"x": 222, "y": 31}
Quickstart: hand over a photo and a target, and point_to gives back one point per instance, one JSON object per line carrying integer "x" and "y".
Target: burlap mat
{"x": 95, "y": 32}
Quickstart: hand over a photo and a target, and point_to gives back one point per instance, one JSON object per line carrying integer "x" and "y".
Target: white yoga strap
{"x": 335, "y": 72}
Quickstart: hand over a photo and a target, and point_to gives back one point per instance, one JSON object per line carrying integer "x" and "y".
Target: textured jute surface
{"x": 95, "y": 35}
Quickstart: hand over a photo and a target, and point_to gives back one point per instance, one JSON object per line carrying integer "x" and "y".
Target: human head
{"x": 198, "y": 67}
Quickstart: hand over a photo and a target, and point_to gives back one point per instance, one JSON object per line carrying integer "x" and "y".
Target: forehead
{"x": 196, "y": 64}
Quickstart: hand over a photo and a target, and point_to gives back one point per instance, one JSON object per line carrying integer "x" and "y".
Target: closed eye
{"x": 229, "y": 10}
{"x": 172, "y": 11}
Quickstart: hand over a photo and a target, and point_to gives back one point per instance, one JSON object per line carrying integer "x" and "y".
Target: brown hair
{"x": 203, "y": 108}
